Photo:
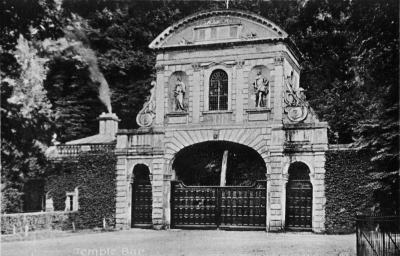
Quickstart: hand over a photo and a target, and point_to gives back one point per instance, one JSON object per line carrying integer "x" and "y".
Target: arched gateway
{"x": 224, "y": 76}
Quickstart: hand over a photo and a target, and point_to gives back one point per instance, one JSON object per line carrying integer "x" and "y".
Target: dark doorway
{"x": 141, "y": 197}
{"x": 299, "y": 198}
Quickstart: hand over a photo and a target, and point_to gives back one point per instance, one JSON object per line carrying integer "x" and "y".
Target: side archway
{"x": 298, "y": 197}
{"x": 141, "y": 207}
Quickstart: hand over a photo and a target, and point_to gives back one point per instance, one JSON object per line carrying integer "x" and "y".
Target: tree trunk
{"x": 223, "y": 168}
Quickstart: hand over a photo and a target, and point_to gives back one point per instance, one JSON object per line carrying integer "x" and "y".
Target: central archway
{"x": 201, "y": 164}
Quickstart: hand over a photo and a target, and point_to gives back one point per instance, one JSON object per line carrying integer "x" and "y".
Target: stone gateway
{"x": 226, "y": 76}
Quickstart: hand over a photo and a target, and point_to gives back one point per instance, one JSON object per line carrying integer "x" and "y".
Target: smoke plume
{"x": 76, "y": 32}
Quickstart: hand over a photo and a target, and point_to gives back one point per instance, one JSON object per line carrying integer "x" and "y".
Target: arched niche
{"x": 141, "y": 172}
{"x": 173, "y": 83}
{"x": 253, "y": 75}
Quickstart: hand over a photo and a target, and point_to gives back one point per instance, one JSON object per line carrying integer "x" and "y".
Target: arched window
{"x": 218, "y": 97}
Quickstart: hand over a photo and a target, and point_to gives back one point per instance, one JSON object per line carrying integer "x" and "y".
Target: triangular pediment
{"x": 216, "y": 27}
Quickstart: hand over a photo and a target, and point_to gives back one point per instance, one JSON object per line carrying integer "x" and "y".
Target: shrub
{"x": 345, "y": 189}
{"x": 95, "y": 177}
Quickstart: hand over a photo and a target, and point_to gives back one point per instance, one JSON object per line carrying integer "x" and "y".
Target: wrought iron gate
{"x": 218, "y": 207}
{"x": 378, "y": 235}
{"x": 141, "y": 204}
{"x": 299, "y": 204}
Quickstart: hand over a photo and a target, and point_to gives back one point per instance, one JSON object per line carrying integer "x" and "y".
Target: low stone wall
{"x": 37, "y": 221}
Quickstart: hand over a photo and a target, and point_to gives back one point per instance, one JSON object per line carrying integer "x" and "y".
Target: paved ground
{"x": 186, "y": 242}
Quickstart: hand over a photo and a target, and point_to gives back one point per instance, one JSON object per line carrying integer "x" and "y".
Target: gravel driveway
{"x": 186, "y": 242}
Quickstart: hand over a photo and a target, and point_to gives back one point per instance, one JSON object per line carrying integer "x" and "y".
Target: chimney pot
{"x": 108, "y": 124}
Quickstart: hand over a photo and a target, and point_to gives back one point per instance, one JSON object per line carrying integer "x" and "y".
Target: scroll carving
{"x": 147, "y": 114}
{"x": 297, "y": 107}
{"x": 279, "y": 61}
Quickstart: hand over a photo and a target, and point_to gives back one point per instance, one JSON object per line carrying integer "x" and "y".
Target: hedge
{"x": 345, "y": 189}
{"x": 95, "y": 177}
{"x": 37, "y": 221}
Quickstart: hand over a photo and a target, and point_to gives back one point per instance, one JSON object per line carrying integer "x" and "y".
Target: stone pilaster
{"x": 121, "y": 213}
{"x": 196, "y": 93}
{"x": 318, "y": 181}
{"x": 160, "y": 95}
{"x": 278, "y": 89}
{"x": 158, "y": 193}
{"x": 276, "y": 192}
{"x": 167, "y": 200}
{"x": 285, "y": 179}
{"x": 239, "y": 93}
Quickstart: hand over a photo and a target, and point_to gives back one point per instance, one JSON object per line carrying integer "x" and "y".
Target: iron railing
{"x": 378, "y": 235}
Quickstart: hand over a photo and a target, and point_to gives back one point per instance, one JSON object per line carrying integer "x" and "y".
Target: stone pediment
{"x": 218, "y": 27}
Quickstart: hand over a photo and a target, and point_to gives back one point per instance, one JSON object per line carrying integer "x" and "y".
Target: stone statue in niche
{"x": 261, "y": 89}
{"x": 147, "y": 114}
{"x": 179, "y": 94}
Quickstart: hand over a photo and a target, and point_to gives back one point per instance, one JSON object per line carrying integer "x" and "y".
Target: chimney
{"x": 108, "y": 124}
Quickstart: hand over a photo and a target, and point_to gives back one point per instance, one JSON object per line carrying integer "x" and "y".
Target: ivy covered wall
{"x": 346, "y": 189}
{"x": 95, "y": 177}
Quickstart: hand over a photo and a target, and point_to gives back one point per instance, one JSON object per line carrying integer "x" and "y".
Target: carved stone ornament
{"x": 279, "y": 61}
{"x": 250, "y": 35}
{"x": 147, "y": 114}
{"x": 215, "y": 134}
{"x": 297, "y": 107}
{"x": 160, "y": 68}
{"x": 285, "y": 177}
{"x": 215, "y": 21}
{"x": 240, "y": 63}
{"x": 196, "y": 66}
{"x": 184, "y": 41}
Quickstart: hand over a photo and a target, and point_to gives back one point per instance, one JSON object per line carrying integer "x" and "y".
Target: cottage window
{"x": 71, "y": 201}
{"x": 218, "y": 97}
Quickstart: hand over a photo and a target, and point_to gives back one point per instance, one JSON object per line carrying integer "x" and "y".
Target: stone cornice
{"x": 215, "y": 13}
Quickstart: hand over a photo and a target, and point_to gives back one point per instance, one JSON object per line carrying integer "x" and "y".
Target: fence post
{"x": 383, "y": 240}
{"x": 357, "y": 236}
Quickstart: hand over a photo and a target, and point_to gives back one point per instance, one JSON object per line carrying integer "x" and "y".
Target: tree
{"x": 376, "y": 65}
{"x": 26, "y": 120}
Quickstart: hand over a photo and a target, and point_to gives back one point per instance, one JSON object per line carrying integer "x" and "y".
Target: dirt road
{"x": 186, "y": 242}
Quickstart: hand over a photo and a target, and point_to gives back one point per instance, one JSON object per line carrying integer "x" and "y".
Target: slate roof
{"x": 95, "y": 139}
